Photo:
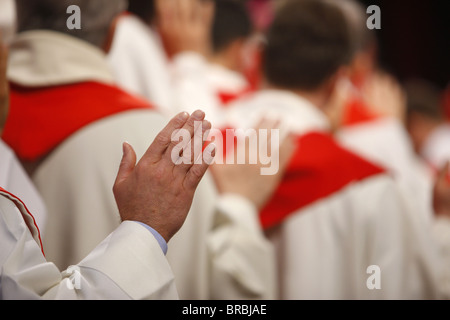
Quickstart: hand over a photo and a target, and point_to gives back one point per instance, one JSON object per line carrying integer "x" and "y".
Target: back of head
{"x": 231, "y": 22}
{"x": 96, "y": 17}
{"x": 355, "y": 14}
{"x": 307, "y": 43}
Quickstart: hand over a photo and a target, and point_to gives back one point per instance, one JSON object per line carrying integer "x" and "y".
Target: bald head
{"x": 96, "y": 17}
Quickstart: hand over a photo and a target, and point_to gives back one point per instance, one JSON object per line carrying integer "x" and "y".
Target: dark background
{"x": 414, "y": 40}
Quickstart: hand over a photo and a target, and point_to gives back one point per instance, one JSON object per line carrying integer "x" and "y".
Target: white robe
{"x": 14, "y": 179}
{"x": 128, "y": 264}
{"x": 386, "y": 142}
{"x": 436, "y": 150}
{"x": 325, "y": 248}
{"x": 220, "y": 252}
{"x": 223, "y": 80}
{"x": 141, "y": 66}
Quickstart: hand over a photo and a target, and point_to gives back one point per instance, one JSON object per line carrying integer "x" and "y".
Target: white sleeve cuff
{"x": 239, "y": 210}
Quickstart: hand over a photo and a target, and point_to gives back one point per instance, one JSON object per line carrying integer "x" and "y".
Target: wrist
{"x": 161, "y": 240}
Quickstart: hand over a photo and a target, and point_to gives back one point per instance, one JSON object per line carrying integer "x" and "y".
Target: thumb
{"x": 127, "y": 164}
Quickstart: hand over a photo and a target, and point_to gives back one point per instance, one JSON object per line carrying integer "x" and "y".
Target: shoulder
{"x": 79, "y": 105}
{"x": 321, "y": 154}
{"x": 103, "y": 138}
{"x": 319, "y": 169}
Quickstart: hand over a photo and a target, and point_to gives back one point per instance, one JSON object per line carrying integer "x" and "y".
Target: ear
{"x": 235, "y": 56}
{"x": 341, "y": 74}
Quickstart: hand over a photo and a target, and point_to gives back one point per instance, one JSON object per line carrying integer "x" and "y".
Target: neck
{"x": 317, "y": 97}
{"x": 222, "y": 60}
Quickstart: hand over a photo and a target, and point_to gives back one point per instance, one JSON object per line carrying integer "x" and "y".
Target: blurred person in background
{"x": 367, "y": 112}
{"x": 234, "y": 50}
{"x": 335, "y": 214}
{"x": 159, "y": 52}
{"x": 426, "y": 122}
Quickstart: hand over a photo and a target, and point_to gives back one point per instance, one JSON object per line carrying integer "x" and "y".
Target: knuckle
{"x": 161, "y": 139}
{"x": 196, "y": 172}
{"x": 159, "y": 173}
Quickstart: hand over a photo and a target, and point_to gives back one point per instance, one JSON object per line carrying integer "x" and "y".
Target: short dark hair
{"x": 144, "y": 9}
{"x": 307, "y": 42}
{"x": 424, "y": 98}
{"x": 231, "y": 22}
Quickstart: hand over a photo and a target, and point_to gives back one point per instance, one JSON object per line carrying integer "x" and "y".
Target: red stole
{"x": 41, "y": 118}
{"x": 446, "y": 103}
{"x": 27, "y": 216}
{"x": 355, "y": 112}
{"x": 227, "y": 97}
{"x": 319, "y": 168}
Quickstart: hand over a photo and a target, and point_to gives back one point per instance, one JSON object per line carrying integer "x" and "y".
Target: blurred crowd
{"x": 363, "y": 180}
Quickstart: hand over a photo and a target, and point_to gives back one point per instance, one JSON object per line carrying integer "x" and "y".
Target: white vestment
{"x": 14, "y": 179}
{"x": 330, "y": 248}
{"x": 128, "y": 264}
{"x": 436, "y": 150}
{"x": 220, "y": 252}
{"x": 223, "y": 80}
{"x": 386, "y": 142}
{"x": 141, "y": 66}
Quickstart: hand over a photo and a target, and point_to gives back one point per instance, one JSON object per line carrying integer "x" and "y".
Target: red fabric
{"x": 355, "y": 112}
{"x": 19, "y": 202}
{"x": 227, "y": 97}
{"x": 41, "y": 118}
{"x": 319, "y": 168}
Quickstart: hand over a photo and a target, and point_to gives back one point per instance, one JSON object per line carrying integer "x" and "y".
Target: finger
{"x": 197, "y": 171}
{"x": 267, "y": 124}
{"x": 166, "y": 14}
{"x": 185, "y": 10}
{"x": 162, "y": 141}
{"x": 180, "y": 152}
{"x": 196, "y": 145}
{"x": 127, "y": 164}
{"x": 189, "y": 129}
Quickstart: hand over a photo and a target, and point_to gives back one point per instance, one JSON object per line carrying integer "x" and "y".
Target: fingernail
{"x": 183, "y": 116}
{"x": 198, "y": 115}
{"x": 206, "y": 125}
{"x": 125, "y": 147}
